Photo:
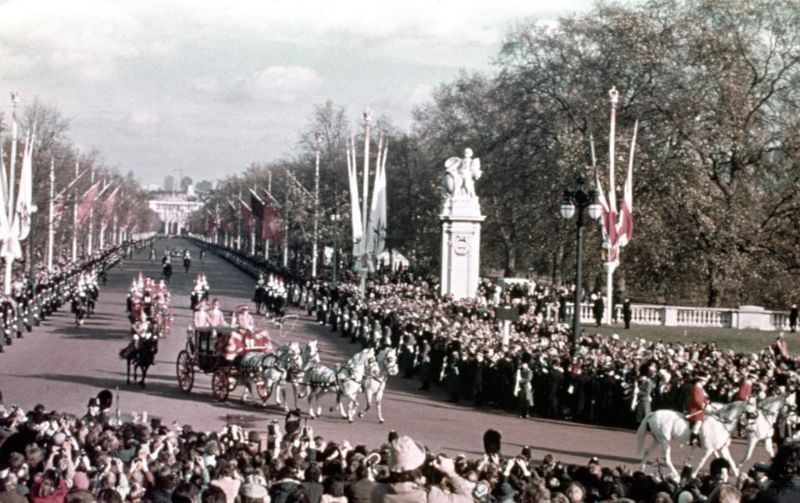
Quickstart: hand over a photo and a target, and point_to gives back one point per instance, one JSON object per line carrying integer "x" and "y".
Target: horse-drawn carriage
{"x": 235, "y": 357}
{"x": 207, "y": 351}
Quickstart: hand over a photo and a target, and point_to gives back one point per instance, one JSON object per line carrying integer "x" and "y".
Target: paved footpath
{"x": 62, "y": 366}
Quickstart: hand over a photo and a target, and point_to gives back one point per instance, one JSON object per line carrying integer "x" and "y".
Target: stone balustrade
{"x": 743, "y": 317}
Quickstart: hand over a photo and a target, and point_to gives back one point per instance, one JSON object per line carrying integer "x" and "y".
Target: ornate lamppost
{"x": 579, "y": 198}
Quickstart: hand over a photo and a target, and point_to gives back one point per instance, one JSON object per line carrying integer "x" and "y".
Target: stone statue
{"x": 460, "y": 176}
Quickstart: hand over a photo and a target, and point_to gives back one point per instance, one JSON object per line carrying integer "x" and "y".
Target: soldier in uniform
{"x": 523, "y": 388}
{"x": 598, "y": 308}
{"x": 424, "y": 364}
{"x": 450, "y": 376}
{"x": 627, "y": 313}
{"x": 645, "y": 386}
{"x": 696, "y": 406}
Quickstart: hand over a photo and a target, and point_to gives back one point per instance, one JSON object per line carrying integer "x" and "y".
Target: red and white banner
{"x": 86, "y": 202}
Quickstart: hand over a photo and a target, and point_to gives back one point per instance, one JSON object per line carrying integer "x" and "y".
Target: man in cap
{"x": 243, "y": 319}
{"x": 696, "y": 406}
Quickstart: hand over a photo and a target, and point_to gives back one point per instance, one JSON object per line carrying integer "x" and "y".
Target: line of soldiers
{"x": 31, "y": 302}
{"x": 270, "y": 295}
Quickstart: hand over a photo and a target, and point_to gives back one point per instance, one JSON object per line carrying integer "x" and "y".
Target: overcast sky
{"x": 160, "y": 86}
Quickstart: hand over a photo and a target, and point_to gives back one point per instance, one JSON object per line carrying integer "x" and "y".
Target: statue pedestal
{"x": 461, "y": 246}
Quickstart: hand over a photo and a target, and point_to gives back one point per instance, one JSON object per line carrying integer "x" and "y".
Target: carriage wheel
{"x": 219, "y": 385}
{"x": 185, "y": 371}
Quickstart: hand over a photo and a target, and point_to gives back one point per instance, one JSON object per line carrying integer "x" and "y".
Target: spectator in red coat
{"x": 745, "y": 389}
{"x": 50, "y": 488}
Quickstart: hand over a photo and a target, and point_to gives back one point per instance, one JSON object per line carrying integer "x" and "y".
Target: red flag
{"x": 625, "y": 224}
{"x": 270, "y": 224}
{"x": 87, "y": 201}
{"x": 108, "y": 205}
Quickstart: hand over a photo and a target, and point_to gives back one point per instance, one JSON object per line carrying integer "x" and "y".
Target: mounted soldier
{"x": 696, "y": 406}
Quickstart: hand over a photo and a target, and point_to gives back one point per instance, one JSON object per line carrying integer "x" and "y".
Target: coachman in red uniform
{"x": 696, "y": 406}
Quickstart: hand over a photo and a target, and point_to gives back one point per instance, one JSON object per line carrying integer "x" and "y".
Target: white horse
{"x": 378, "y": 374}
{"x": 285, "y": 364}
{"x": 666, "y": 425}
{"x": 345, "y": 381}
{"x": 760, "y": 427}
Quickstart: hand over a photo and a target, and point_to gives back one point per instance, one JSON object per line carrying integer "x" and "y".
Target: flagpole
{"x": 612, "y": 197}
{"x": 316, "y": 208}
{"x": 266, "y": 238}
{"x": 364, "y": 258}
{"x": 75, "y": 215}
{"x": 252, "y": 231}
{"x": 50, "y": 229}
{"x": 101, "y": 237}
{"x": 91, "y": 219}
{"x": 286, "y": 225}
{"x": 11, "y": 211}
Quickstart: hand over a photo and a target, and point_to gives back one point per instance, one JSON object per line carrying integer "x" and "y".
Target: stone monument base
{"x": 461, "y": 245}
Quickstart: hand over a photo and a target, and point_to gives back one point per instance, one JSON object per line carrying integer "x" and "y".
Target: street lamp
{"x": 335, "y": 219}
{"x": 579, "y": 198}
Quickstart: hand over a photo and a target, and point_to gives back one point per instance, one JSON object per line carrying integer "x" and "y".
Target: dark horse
{"x": 166, "y": 271}
{"x": 141, "y": 358}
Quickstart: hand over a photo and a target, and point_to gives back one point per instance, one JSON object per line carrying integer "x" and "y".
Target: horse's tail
{"x": 641, "y": 433}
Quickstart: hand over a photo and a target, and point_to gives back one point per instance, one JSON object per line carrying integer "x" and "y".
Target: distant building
{"x": 173, "y": 210}
{"x": 169, "y": 183}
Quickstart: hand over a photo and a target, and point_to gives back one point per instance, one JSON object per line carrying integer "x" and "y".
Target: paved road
{"x": 61, "y": 366}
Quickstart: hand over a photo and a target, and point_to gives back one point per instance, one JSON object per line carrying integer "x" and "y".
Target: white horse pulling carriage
{"x": 715, "y": 435}
{"x": 270, "y": 372}
{"x": 364, "y": 372}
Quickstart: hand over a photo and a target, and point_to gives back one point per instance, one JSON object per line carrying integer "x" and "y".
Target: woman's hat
{"x": 406, "y": 455}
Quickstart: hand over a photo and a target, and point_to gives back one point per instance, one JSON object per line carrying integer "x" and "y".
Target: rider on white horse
{"x": 696, "y": 406}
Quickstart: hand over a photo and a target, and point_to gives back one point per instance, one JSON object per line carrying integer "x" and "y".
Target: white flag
{"x": 5, "y": 226}
{"x": 22, "y": 220}
{"x": 355, "y": 208}
{"x": 376, "y": 229}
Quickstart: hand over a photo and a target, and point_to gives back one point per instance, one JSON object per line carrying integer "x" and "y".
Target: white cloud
{"x": 283, "y": 84}
{"x": 459, "y": 21}
{"x": 142, "y": 121}
{"x": 87, "y": 37}
{"x": 206, "y": 85}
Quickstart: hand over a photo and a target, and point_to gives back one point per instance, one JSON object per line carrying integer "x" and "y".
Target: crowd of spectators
{"x": 602, "y": 380}
{"x": 53, "y": 457}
